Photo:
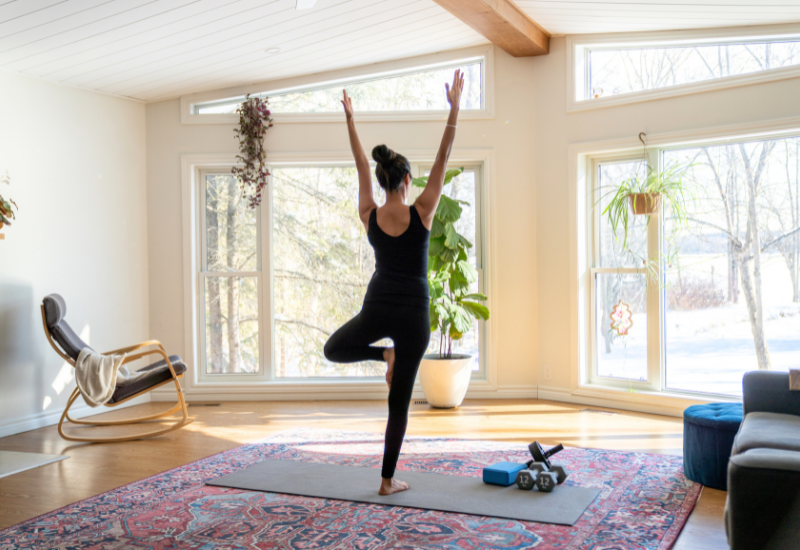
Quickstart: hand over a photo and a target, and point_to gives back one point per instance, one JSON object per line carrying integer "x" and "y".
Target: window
{"x": 321, "y": 267}
{"x": 606, "y": 73}
{"x": 409, "y": 90}
{"x": 230, "y": 278}
{"x": 726, "y": 297}
{"x": 320, "y": 261}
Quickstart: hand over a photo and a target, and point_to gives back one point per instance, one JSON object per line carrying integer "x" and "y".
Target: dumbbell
{"x": 560, "y": 471}
{"x": 526, "y": 479}
{"x": 540, "y": 455}
{"x": 557, "y": 469}
{"x": 546, "y": 481}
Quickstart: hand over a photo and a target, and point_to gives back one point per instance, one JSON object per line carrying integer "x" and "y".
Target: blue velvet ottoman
{"x": 708, "y": 432}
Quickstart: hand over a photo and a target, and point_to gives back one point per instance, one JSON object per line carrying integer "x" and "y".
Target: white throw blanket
{"x": 99, "y": 375}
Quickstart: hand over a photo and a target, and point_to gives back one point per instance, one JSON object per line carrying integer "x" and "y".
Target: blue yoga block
{"x": 502, "y": 473}
{"x": 708, "y": 432}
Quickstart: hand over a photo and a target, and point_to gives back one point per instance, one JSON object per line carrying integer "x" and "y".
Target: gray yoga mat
{"x": 463, "y": 495}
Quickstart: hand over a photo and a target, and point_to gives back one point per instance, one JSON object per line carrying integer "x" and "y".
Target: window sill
{"x": 669, "y": 403}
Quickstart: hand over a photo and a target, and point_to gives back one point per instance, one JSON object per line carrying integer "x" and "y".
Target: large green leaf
{"x": 448, "y": 255}
{"x": 450, "y": 174}
{"x": 436, "y": 246}
{"x": 479, "y": 311}
{"x": 451, "y": 236}
{"x": 449, "y": 210}
{"x": 461, "y": 320}
{"x": 437, "y": 228}
{"x": 475, "y": 296}
{"x": 468, "y": 271}
{"x": 419, "y": 182}
{"x": 458, "y": 282}
{"x": 434, "y": 317}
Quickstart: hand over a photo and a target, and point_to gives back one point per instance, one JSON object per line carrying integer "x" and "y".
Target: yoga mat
{"x": 462, "y": 495}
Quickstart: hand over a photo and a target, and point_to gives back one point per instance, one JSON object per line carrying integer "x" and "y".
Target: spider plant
{"x": 666, "y": 184}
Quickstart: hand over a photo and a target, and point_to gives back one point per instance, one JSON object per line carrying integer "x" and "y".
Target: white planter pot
{"x": 445, "y": 381}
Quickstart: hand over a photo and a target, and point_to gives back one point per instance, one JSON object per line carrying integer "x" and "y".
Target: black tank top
{"x": 401, "y": 264}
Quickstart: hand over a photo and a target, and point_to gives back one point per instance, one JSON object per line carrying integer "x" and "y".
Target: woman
{"x": 397, "y": 301}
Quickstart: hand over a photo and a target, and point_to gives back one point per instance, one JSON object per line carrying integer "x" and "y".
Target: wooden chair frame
{"x": 159, "y": 350}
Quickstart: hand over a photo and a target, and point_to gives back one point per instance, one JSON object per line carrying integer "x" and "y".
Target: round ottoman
{"x": 708, "y": 432}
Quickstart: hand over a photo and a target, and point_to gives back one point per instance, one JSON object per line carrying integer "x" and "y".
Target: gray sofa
{"x": 762, "y": 511}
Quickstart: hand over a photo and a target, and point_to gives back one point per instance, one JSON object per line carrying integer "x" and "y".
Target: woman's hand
{"x": 348, "y": 106}
{"x": 454, "y": 91}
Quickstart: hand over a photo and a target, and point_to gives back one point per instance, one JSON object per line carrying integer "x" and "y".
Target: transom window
{"x": 419, "y": 89}
{"x": 646, "y": 67}
{"x": 723, "y": 295}
{"x": 320, "y": 261}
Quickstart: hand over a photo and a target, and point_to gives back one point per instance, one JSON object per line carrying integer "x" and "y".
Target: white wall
{"x": 556, "y": 130}
{"x": 510, "y": 134}
{"x": 77, "y": 163}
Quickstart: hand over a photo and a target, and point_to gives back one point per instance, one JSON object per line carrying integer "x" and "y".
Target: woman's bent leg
{"x": 351, "y": 343}
{"x": 411, "y": 339}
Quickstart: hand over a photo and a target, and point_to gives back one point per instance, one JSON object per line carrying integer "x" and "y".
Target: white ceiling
{"x": 158, "y": 49}
{"x": 601, "y": 16}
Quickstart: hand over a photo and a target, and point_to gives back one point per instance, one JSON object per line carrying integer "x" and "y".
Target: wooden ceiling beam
{"x": 502, "y": 22}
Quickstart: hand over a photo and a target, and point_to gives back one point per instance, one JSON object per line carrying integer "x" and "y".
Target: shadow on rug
{"x": 644, "y": 503}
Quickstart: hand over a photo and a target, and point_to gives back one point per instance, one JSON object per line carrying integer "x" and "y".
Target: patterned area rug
{"x": 644, "y": 503}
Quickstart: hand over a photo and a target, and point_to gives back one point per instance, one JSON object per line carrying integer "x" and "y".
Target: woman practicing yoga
{"x": 397, "y": 301}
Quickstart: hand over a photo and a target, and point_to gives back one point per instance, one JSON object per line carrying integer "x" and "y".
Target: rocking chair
{"x": 68, "y": 345}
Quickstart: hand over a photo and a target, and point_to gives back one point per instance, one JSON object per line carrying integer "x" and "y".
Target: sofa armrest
{"x": 763, "y": 507}
{"x": 766, "y": 391}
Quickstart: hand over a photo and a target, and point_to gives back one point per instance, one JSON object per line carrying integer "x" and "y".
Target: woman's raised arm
{"x": 428, "y": 201}
{"x": 366, "y": 202}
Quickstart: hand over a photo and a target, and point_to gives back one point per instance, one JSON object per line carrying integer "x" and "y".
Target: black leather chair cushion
{"x": 54, "y": 310}
{"x": 159, "y": 374}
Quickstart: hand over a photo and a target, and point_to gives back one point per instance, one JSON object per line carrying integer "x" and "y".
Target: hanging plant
{"x": 254, "y": 121}
{"x": 7, "y": 206}
{"x": 644, "y": 194}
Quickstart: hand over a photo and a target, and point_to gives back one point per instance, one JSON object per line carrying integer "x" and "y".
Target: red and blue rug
{"x": 644, "y": 503}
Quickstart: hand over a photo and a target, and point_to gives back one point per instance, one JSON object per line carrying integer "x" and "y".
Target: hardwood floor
{"x": 96, "y": 468}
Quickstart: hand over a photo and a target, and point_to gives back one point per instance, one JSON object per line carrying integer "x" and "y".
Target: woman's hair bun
{"x": 392, "y": 168}
{"x": 383, "y": 155}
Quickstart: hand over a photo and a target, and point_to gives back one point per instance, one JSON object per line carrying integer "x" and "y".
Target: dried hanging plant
{"x": 254, "y": 121}
{"x": 7, "y": 207}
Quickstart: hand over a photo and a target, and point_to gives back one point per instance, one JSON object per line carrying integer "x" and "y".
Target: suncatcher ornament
{"x": 621, "y": 318}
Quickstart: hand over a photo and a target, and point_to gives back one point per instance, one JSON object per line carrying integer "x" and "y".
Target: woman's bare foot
{"x": 392, "y": 486}
{"x": 388, "y": 356}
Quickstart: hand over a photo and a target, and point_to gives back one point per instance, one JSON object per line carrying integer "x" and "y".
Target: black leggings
{"x": 409, "y": 329}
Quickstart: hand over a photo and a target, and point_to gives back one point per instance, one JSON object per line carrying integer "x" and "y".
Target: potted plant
{"x": 644, "y": 195}
{"x": 445, "y": 376}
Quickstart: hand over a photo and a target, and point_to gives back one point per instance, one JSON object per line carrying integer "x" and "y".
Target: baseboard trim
{"x": 650, "y": 403}
{"x": 50, "y": 418}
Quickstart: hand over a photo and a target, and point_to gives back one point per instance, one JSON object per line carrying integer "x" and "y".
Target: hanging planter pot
{"x": 645, "y": 203}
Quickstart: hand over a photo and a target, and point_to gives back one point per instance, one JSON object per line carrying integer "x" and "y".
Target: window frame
{"x": 578, "y": 48}
{"x": 655, "y": 347}
{"x": 264, "y": 385}
{"x": 585, "y": 383}
{"x": 264, "y": 298}
{"x": 485, "y": 54}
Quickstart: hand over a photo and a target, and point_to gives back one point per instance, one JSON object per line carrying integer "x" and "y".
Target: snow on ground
{"x": 709, "y": 350}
